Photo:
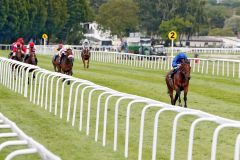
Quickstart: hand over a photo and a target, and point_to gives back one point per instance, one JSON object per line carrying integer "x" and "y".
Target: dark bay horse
{"x": 19, "y": 55}
{"x": 180, "y": 83}
{"x": 31, "y": 58}
{"x": 66, "y": 64}
{"x": 86, "y": 57}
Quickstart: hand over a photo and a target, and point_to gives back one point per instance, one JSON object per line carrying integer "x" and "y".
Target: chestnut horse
{"x": 180, "y": 83}
{"x": 66, "y": 64}
{"x": 85, "y": 57}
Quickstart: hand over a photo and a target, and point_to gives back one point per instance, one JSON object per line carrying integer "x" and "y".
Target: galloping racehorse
{"x": 31, "y": 59}
{"x": 180, "y": 83}
{"x": 66, "y": 63}
{"x": 19, "y": 55}
{"x": 85, "y": 57}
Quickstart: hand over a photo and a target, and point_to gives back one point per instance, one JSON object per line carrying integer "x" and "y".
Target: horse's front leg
{"x": 83, "y": 63}
{"x": 179, "y": 100}
{"x": 88, "y": 64}
{"x": 185, "y": 96}
{"x": 176, "y": 96}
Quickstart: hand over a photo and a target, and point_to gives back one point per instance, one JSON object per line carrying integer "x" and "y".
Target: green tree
{"x": 153, "y": 12}
{"x": 4, "y": 7}
{"x": 119, "y": 16}
{"x": 57, "y": 17}
{"x": 37, "y": 11}
{"x": 13, "y": 26}
{"x": 221, "y": 32}
{"x": 234, "y": 23}
{"x": 96, "y": 4}
{"x": 78, "y": 11}
{"x": 178, "y": 24}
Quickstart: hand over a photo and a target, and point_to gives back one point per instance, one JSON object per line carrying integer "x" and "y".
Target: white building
{"x": 96, "y": 36}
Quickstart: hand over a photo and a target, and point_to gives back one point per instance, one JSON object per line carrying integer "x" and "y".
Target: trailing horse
{"x": 180, "y": 83}
{"x": 31, "y": 59}
{"x": 86, "y": 57}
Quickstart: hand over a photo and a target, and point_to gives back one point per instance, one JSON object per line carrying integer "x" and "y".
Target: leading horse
{"x": 180, "y": 83}
{"x": 85, "y": 57}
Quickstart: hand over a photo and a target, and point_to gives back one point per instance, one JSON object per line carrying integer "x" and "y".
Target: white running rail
{"x": 33, "y": 146}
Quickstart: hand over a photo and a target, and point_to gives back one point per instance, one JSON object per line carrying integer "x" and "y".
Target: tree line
{"x": 61, "y": 19}
{"x": 31, "y": 18}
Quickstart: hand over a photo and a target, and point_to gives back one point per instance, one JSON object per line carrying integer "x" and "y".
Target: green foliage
{"x": 120, "y": 16}
{"x": 4, "y": 9}
{"x": 31, "y": 18}
{"x": 78, "y": 11}
{"x": 234, "y": 23}
{"x": 57, "y": 17}
{"x": 216, "y": 16}
{"x": 181, "y": 26}
{"x": 96, "y": 4}
{"x": 221, "y": 32}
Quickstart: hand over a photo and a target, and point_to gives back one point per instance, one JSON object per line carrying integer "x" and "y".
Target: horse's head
{"x": 85, "y": 51}
{"x": 32, "y": 57}
{"x": 69, "y": 54}
{"x": 185, "y": 68}
{"x": 19, "y": 54}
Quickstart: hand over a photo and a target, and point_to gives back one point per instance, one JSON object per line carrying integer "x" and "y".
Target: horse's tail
{"x": 168, "y": 82}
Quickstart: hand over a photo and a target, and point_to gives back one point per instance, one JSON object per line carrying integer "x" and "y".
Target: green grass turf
{"x": 216, "y": 95}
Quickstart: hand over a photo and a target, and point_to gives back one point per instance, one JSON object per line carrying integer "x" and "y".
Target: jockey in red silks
{"x": 31, "y": 48}
{"x": 16, "y": 45}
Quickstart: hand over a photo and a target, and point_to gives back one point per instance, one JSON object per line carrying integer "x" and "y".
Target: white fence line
{"x": 215, "y": 67}
{"x": 33, "y": 146}
{"x": 43, "y": 96}
{"x": 219, "y": 51}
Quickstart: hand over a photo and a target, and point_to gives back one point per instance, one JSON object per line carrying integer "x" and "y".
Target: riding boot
{"x": 171, "y": 75}
{"x": 60, "y": 59}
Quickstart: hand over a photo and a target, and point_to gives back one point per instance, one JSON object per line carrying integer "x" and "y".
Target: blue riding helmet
{"x": 182, "y": 55}
{"x": 177, "y": 59}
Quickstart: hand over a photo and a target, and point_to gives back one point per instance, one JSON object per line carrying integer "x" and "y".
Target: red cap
{"x": 20, "y": 40}
{"x": 31, "y": 44}
{"x": 18, "y": 44}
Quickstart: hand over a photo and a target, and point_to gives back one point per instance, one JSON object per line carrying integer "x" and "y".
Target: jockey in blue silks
{"x": 180, "y": 58}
